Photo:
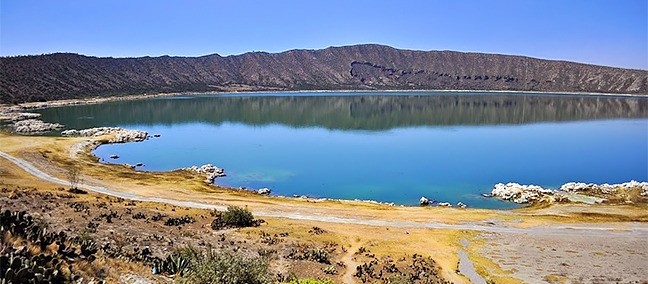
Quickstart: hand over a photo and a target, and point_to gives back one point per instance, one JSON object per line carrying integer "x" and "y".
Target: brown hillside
{"x": 64, "y": 75}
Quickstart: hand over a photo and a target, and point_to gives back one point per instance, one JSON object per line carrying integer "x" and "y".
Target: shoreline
{"x": 486, "y": 227}
{"x": 623, "y": 95}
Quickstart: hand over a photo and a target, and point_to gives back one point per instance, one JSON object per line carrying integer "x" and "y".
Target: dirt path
{"x": 466, "y": 267}
{"x": 350, "y": 264}
{"x": 602, "y": 229}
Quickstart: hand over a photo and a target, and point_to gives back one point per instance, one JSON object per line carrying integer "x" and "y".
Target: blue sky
{"x": 604, "y": 32}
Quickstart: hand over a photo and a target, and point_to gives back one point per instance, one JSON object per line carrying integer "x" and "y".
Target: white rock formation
{"x": 34, "y": 126}
{"x": 264, "y": 191}
{"x": 461, "y": 205}
{"x": 529, "y": 193}
{"x": 208, "y": 170}
{"x": 605, "y": 188}
{"x": 445, "y": 204}
{"x": 16, "y": 116}
{"x": 424, "y": 201}
{"x": 519, "y": 193}
{"x": 121, "y": 135}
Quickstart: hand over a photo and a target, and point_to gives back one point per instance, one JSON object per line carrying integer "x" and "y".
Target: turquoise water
{"x": 393, "y": 147}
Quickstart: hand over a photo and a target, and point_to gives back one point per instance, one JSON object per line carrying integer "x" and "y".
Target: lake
{"x": 384, "y": 146}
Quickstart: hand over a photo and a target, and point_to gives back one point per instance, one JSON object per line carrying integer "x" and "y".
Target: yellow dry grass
{"x": 485, "y": 266}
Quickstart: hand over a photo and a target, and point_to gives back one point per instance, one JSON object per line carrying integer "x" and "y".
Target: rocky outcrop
{"x": 519, "y": 193}
{"x": 424, "y": 201}
{"x": 23, "y": 122}
{"x": 264, "y": 191}
{"x": 604, "y": 188}
{"x": 30, "y": 126}
{"x": 359, "y": 67}
{"x": 208, "y": 170}
{"x": 586, "y": 192}
{"x": 121, "y": 135}
{"x": 7, "y": 115}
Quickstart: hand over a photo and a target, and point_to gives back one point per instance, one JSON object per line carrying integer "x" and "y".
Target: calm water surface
{"x": 393, "y": 147}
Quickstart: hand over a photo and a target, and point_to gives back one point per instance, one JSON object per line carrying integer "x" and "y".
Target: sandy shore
{"x": 556, "y": 257}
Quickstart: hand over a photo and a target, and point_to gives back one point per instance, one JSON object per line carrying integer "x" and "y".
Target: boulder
{"x": 461, "y": 205}
{"x": 264, "y": 191}
{"x": 424, "y": 201}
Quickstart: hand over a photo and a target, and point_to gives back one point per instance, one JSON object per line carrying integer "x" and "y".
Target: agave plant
{"x": 173, "y": 264}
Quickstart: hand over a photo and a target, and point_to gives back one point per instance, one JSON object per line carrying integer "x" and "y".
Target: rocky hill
{"x": 65, "y": 75}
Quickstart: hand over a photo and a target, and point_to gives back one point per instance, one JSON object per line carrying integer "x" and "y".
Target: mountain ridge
{"x": 329, "y": 47}
{"x": 356, "y": 67}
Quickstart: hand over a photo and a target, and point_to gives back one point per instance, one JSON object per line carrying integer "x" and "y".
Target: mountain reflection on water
{"x": 352, "y": 112}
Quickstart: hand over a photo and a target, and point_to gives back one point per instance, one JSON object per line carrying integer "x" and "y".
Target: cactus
{"x": 88, "y": 248}
{"x": 15, "y": 262}
{"x": 318, "y": 255}
{"x": 172, "y": 264}
{"x": 10, "y": 276}
{"x": 4, "y": 262}
{"x": 179, "y": 221}
{"x": 22, "y": 273}
{"x": 19, "y": 266}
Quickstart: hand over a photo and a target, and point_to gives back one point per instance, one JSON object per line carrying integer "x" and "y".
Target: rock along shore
{"x": 208, "y": 170}
{"x": 522, "y": 194}
{"x": 33, "y": 126}
{"x": 121, "y": 135}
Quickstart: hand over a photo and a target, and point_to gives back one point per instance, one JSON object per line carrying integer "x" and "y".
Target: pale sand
{"x": 554, "y": 257}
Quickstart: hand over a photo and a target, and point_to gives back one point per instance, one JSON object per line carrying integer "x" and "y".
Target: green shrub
{"x": 311, "y": 281}
{"x": 226, "y": 268}
{"x": 399, "y": 279}
{"x": 234, "y": 217}
{"x": 318, "y": 255}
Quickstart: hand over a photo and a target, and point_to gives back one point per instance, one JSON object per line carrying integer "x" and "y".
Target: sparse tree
{"x": 74, "y": 177}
